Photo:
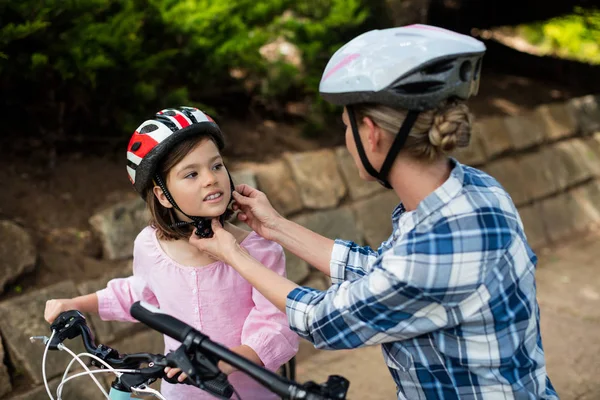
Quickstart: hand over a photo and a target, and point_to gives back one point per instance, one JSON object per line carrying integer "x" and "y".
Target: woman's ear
{"x": 162, "y": 199}
{"x": 373, "y": 133}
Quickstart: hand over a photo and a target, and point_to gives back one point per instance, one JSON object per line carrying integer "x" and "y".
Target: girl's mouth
{"x": 213, "y": 197}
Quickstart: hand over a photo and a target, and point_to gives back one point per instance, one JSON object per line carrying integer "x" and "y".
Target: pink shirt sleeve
{"x": 266, "y": 329}
{"x": 116, "y": 299}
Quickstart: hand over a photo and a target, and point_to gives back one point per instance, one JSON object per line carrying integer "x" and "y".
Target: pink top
{"x": 214, "y": 299}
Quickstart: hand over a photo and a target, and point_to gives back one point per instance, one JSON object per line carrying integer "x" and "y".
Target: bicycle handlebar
{"x": 335, "y": 388}
{"x": 159, "y": 321}
{"x": 71, "y": 324}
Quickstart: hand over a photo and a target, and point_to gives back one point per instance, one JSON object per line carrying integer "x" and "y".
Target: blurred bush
{"x": 95, "y": 68}
{"x": 575, "y": 36}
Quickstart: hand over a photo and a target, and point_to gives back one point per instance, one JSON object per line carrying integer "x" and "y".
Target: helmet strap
{"x": 397, "y": 144}
{"x": 202, "y": 224}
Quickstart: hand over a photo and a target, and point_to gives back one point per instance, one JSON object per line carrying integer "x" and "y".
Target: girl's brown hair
{"x": 161, "y": 218}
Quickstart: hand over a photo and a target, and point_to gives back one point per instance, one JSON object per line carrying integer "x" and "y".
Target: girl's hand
{"x": 171, "y": 372}
{"x": 256, "y": 211}
{"x": 56, "y": 306}
{"x": 221, "y": 246}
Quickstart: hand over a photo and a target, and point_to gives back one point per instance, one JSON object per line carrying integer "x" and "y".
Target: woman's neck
{"x": 414, "y": 180}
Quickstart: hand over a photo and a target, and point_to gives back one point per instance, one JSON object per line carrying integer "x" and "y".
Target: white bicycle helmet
{"x": 414, "y": 67}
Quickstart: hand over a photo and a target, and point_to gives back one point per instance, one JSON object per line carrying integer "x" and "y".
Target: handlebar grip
{"x": 159, "y": 321}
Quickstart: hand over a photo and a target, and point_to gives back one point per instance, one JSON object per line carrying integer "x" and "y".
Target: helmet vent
{"x": 419, "y": 87}
{"x": 438, "y": 68}
{"x": 170, "y": 113}
{"x": 149, "y": 128}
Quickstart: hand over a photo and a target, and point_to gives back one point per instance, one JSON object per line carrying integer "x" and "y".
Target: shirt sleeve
{"x": 266, "y": 330}
{"x": 428, "y": 281}
{"x": 116, "y": 299}
{"x": 350, "y": 261}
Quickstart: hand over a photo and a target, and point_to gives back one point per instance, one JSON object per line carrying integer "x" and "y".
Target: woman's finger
{"x": 241, "y": 199}
{"x": 216, "y": 225}
{"x": 245, "y": 190}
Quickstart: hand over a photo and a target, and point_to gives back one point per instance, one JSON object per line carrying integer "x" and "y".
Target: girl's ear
{"x": 162, "y": 199}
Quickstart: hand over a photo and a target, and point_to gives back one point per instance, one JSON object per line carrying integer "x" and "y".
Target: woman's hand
{"x": 56, "y": 306}
{"x": 221, "y": 246}
{"x": 256, "y": 211}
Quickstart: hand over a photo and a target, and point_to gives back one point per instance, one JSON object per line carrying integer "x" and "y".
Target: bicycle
{"x": 197, "y": 356}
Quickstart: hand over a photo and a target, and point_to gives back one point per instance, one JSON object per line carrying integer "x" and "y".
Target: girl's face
{"x": 199, "y": 183}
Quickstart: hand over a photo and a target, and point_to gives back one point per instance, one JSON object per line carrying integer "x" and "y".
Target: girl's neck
{"x": 414, "y": 180}
{"x": 182, "y": 252}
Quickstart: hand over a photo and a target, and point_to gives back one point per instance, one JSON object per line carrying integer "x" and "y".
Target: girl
{"x": 174, "y": 162}
{"x": 451, "y": 294}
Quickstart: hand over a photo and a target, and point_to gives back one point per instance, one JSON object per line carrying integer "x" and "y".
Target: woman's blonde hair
{"x": 162, "y": 218}
{"x": 435, "y": 132}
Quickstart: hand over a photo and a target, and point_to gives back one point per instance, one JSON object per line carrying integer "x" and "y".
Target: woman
{"x": 451, "y": 294}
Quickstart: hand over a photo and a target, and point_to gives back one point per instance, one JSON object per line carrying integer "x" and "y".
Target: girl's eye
{"x": 218, "y": 167}
{"x": 191, "y": 175}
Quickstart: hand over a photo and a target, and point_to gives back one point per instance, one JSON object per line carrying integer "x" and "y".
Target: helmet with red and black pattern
{"x": 154, "y": 138}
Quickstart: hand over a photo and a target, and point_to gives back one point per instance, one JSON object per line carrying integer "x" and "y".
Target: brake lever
{"x": 144, "y": 389}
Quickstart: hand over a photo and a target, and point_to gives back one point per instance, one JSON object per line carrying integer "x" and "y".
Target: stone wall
{"x": 548, "y": 160}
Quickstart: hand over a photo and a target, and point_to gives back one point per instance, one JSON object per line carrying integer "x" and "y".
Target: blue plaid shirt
{"x": 450, "y": 295}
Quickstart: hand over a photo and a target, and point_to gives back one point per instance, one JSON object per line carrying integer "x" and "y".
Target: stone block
{"x": 494, "y": 136}
{"x": 563, "y": 216}
{"x": 333, "y": 224}
{"x": 23, "y": 317}
{"x": 145, "y": 341}
{"x": 587, "y": 112}
{"x": 357, "y": 187}
{"x": 296, "y": 268}
{"x": 508, "y": 172}
{"x": 276, "y": 181}
{"x": 525, "y": 131}
{"x": 17, "y": 252}
{"x": 76, "y": 389}
{"x": 105, "y": 331}
{"x": 536, "y": 170}
{"x": 558, "y": 119}
{"x": 317, "y": 175}
{"x": 473, "y": 154}
{"x": 533, "y": 223}
{"x": 117, "y": 227}
{"x": 244, "y": 176}
{"x": 587, "y": 198}
{"x": 593, "y": 153}
{"x": 5, "y": 384}
{"x": 374, "y": 215}
{"x": 569, "y": 164}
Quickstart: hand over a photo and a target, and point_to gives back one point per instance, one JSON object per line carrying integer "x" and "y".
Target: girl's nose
{"x": 210, "y": 179}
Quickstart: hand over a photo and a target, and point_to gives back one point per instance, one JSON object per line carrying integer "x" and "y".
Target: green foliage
{"x": 575, "y": 36}
{"x": 103, "y": 65}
